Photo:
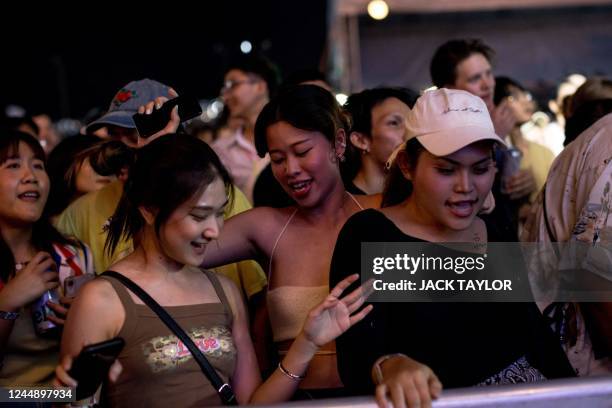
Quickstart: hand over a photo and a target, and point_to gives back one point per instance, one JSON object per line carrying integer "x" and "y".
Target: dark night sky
{"x": 62, "y": 64}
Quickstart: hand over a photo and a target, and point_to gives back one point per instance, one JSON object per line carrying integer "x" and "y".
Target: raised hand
{"x": 38, "y": 276}
{"x": 520, "y": 184}
{"x": 157, "y": 103}
{"x": 334, "y": 315}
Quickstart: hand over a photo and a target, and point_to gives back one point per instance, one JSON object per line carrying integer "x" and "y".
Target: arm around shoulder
{"x": 242, "y": 237}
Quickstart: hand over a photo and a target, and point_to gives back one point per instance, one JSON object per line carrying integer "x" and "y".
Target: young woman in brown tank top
{"x": 304, "y": 130}
{"x": 172, "y": 206}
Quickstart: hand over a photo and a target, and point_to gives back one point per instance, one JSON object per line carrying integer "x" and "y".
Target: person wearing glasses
{"x": 248, "y": 85}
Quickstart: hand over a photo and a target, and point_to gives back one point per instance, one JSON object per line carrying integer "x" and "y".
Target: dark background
{"x": 64, "y": 61}
{"x": 537, "y": 47}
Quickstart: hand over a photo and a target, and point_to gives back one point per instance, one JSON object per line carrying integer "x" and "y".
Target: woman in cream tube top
{"x": 304, "y": 130}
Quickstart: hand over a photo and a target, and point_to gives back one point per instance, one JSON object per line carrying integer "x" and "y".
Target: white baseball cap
{"x": 446, "y": 120}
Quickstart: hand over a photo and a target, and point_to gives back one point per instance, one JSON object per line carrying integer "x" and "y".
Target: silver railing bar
{"x": 592, "y": 392}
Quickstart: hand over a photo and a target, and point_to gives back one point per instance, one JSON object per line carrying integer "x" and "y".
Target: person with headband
{"x": 438, "y": 183}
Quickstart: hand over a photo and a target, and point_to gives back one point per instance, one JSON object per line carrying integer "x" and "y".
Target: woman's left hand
{"x": 334, "y": 315}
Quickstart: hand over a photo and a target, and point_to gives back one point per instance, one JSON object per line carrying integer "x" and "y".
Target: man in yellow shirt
{"x": 88, "y": 217}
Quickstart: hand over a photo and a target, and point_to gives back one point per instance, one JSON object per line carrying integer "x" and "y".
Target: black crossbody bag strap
{"x": 224, "y": 389}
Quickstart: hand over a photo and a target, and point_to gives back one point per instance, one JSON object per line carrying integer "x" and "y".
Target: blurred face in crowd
{"x": 522, "y": 104}
{"x": 474, "y": 75}
{"x": 24, "y": 187}
{"x": 388, "y": 128}
{"x": 87, "y": 180}
{"x": 126, "y": 135}
{"x": 244, "y": 93}
{"x": 47, "y": 135}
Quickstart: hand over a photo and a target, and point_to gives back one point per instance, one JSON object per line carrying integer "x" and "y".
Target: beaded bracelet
{"x": 9, "y": 315}
{"x": 294, "y": 377}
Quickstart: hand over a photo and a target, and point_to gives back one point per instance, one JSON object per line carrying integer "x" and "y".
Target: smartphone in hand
{"x": 511, "y": 163}
{"x": 91, "y": 366}
{"x": 148, "y": 125}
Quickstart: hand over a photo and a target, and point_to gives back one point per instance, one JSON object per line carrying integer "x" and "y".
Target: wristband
{"x": 377, "y": 372}
{"x": 9, "y": 315}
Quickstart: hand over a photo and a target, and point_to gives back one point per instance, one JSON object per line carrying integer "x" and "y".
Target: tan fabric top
{"x": 288, "y": 306}
{"x": 158, "y": 370}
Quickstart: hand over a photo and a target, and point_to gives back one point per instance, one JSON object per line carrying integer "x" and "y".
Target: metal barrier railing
{"x": 591, "y": 392}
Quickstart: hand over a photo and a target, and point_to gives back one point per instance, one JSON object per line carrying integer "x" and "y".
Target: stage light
{"x": 378, "y": 9}
{"x": 341, "y": 98}
{"x": 246, "y": 47}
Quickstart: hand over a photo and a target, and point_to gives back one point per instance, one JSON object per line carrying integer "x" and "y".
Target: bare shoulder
{"x": 262, "y": 218}
{"x": 96, "y": 309}
{"x": 98, "y": 289}
{"x": 98, "y": 295}
{"x": 257, "y": 214}
{"x": 369, "y": 201}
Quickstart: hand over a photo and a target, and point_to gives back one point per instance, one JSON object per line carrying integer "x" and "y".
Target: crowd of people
{"x": 249, "y": 234}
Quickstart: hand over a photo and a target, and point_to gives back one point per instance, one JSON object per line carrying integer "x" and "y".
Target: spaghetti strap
{"x": 355, "y": 200}
{"x": 212, "y": 277}
{"x": 122, "y": 291}
{"x": 128, "y": 304}
{"x": 277, "y": 240}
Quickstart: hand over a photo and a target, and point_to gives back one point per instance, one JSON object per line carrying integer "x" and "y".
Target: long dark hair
{"x": 165, "y": 173}
{"x": 43, "y": 233}
{"x": 307, "y": 107}
{"x": 359, "y": 106}
{"x": 585, "y": 116}
{"x": 63, "y": 165}
{"x": 397, "y": 187}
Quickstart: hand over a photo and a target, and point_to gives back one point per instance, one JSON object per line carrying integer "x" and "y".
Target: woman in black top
{"x": 437, "y": 185}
